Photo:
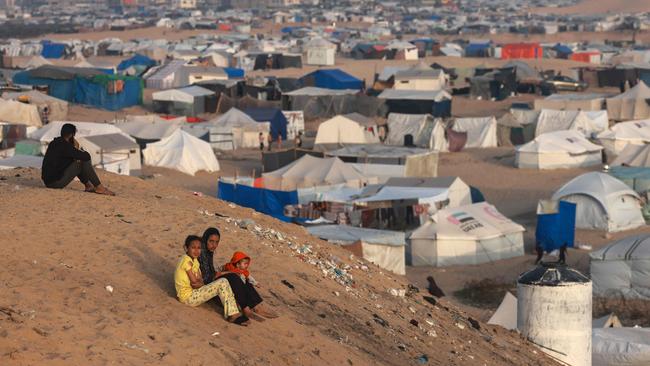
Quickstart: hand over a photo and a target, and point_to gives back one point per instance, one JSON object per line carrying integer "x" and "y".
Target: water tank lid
{"x": 552, "y": 274}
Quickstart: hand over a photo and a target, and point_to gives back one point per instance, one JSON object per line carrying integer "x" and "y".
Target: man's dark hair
{"x": 190, "y": 239}
{"x": 68, "y": 130}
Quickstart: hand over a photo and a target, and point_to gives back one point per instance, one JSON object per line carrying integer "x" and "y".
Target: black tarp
{"x": 274, "y": 61}
{"x": 326, "y": 106}
{"x": 408, "y": 106}
{"x": 616, "y": 77}
{"x": 275, "y": 160}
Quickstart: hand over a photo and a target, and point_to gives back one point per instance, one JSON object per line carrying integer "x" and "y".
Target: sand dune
{"x": 62, "y": 247}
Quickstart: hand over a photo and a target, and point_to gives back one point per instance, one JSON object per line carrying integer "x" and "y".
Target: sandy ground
{"x": 63, "y": 247}
{"x": 600, "y": 7}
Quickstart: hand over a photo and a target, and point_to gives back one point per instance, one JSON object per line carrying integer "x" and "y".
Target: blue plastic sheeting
{"x": 95, "y": 94}
{"x": 644, "y": 75}
{"x": 442, "y": 108}
{"x": 62, "y": 89}
{"x": 637, "y": 178}
{"x": 477, "y": 50}
{"x": 53, "y": 50}
{"x": 562, "y": 49}
{"x": 287, "y": 29}
{"x": 334, "y": 79}
{"x": 262, "y": 200}
{"x": 136, "y": 60}
{"x": 477, "y": 196}
{"x": 554, "y": 230}
{"x": 273, "y": 115}
{"x": 234, "y": 72}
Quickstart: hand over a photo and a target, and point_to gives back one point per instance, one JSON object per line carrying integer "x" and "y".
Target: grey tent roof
{"x": 435, "y": 182}
{"x": 352, "y": 234}
{"x": 436, "y": 95}
{"x": 167, "y": 69}
{"x": 524, "y": 71}
{"x": 378, "y": 151}
{"x": 360, "y": 119}
{"x": 62, "y": 73}
{"x": 419, "y": 71}
{"x": 196, "y": 91}
{"x": 112, "y": 142}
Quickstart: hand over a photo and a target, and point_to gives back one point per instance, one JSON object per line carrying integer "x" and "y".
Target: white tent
{"x": 419, "y": 126}
{"x": 116, "y": 152}
{"x": 586, "y": 122}
{"x": 52, "y": 130}
{"x": 630, "y": 105}
{"x": 559, "y": 149}
{"x": 36, "y": 61}
{"x": 470, "y": 234}
{"x": 232, "y": 130}
{"x": 481, "y": 131}
{"x": 19, "y": 113}
{"x": 506, "y": 313}
{"x": 347, "y": 129}
{"x": 320, "y": 52}
{"x": 150, "y": 127}
{"x": 608, "y": 321}
{"x": 634, "y": 155}
{"x": 310, "y": 171}
{"x": 620, "y": 347}
{"x": 622, "y": 269}
{"x": 403, "y": 50}
{"x": 383, "y": 248}
{"x": 572, "y": 102}
{"x": 58, "y": 108}
{"x": 603, "y": 202}
{"x": 625, "y": 133}
{"x": 183, "y": 152}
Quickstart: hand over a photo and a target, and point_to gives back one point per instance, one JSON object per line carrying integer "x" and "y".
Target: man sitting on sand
{"x": 64, "y": 160}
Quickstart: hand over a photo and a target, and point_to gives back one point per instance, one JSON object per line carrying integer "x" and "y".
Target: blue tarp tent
{"x": 262, "y": 200}
{"x": 85, "y": 86}
{"x": 331, "y": 79}
{"x": 137, "y": 60}
{"x": 477, "y": 195}
{"x": 52, "y": 50}
{"x": 477, "y": 50}
{"x": 562, "y": 50}
{"x": 273, "y": 115}
{"x": 234, "y": 73}
{"x": 555, "y": 229}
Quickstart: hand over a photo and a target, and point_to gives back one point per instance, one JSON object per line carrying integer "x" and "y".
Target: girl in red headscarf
{"x": 243, "y": 286}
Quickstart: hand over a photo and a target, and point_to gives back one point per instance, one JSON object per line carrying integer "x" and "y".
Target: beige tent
{"x": 19, "y": 113}
{"x": 58, "y": 108}
{"x": 634, "y": 155}
{"x": 571, "y": 102}
{"x": 630, "y": 105}
{"x": 310, "y": 171}
{"x": 619, "y": 136}
{"x": 558, "y": 150}
{"x": 347, "y": 129}
{"x": 607, "y": 321}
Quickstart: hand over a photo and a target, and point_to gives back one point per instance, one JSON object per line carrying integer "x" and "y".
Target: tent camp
{"x": 310, "y": 171}
{"x": 189, "y": 101}
{"x": 634, "y": 156}
{"x": 481, "y": 131}
{"x": 620, "y": 346}
{"x": 320, "y": 52}
{"x": 116, "y": 153}
{"x": 622, "y": 268}
{"x": 633, "y": 104}
{"x": 52, "y": 130}
{"x": 149, "y": 128}
{"x": 409, "y": 130}
{"x": 183, "y": 152}
{"x": 470, "y": 234}
{"x": 331, "y": 79}
{"x": 558, "y": 150}
{"x": 587, "y": 122}
{"x": 164, "y": 77}
{"x": 572, "y": 102}
{"x": 351, "y": 128}
{"x": 383, "y": 248}
{"x": 273, "y": 116}
{"x": 232, "y": 130}
{"x": 623, "y": 134}
{"x": 57, "y": 109}
{"x": 603, "y": 202}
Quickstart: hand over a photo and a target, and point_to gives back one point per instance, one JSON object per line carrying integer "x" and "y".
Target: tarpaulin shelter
{"x": 495, "y": 84}
{"x": 347, "y": 129}
{"x": 603, "y": 202}
{"x": 85, "y": 86}
{"x": 164, "y": 76}
{"x": 234, "y": 73}
{"x": 188, "y": 101}
{"x": 615, "y": 77}
{"x": 589, "y": 123}
{"x": 19, "y": 113}
{"x": 556, "y": 224}
{"x": 506, "y": 313}
{"x": 478, "y": 49}
{"x": 57, "y": 108}
{"x": 434, "y": 102}
{"x": 634, "y": 156}
{"x": 633, "y": 104}
{"x": 150, "y": 128}
{"x": 137, "y": 60}
{"x": 274, "y": 160}
{"x": 558, "y": 150}
{"x": 52, "y": 50}
{"x": 309, "y": 171}
{"x": 384, "y": 248}
{"x": 620, "y": 346}
{"x": 116, "y": 153}
{"x": 637, "y": 178}
{"x": 367, "y": 51}
{"x": 183, "y": 152}
{"x": 275, "y": 61}
{"x": 481, "y": 131}
{"x": 622, "y": 268}
{"x": 232, "y": 130}
{"x": 577, "y": 101}
{"x": 616, "y": 138}
{"x": 272, "y": 115}
{"x": 327, "y": 103}
{"x": 418, "y": 127}
{"x": 331, "y": 79}
{"x": 471, "y": 234}
{"x": 521, "y": 50}
{"x": 263, "y": 200}
{"x": 52, "y": 130}
{"x": 246, "y": 102}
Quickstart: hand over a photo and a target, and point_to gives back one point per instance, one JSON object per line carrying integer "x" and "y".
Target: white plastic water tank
{"x": 554, "y": 312}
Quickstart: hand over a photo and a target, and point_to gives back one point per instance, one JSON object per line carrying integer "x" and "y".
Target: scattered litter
{"x": 231, "y": 205}
{"x": 411, "y": 309}
{"x": 336, "y": 293}
{"x": 422, "y": 360}
{"x": 397, "y": 292}
{"x": 380, "y": 320}
{"x": 430, "y": 300}
{"x": 135, "y": 347}
{"x": 432, "y": 333}
{"x": 198, "y": 194}
{"x": 430, "y": 322}
{"x": 40, "y": 332}
{"x": 584, "y": 246}
{"x": 474, "y": 323}
{"x": 288, "y": 284}
{"x": 414, "y": 322}
{"x": 401, "y": 347}
{"x": 460, "y": 325}
{"x": 109, "y": 288}
{"x": 215, "y": 334}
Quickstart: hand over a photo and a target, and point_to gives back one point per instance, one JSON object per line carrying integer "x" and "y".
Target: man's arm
{"x": 71, "y": 151}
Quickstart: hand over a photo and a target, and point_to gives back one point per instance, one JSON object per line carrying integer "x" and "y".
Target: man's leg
{"x": 69, "y": 173}
{"x": 87, "y": 174}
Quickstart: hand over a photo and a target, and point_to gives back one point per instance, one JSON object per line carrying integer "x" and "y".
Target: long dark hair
{"x": 206, "y": 260}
